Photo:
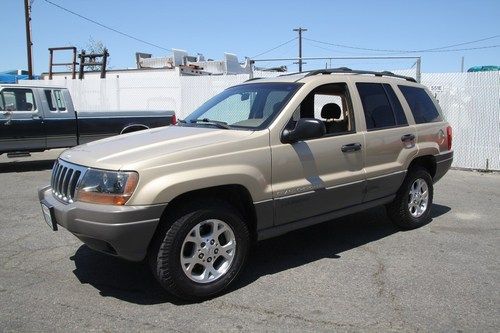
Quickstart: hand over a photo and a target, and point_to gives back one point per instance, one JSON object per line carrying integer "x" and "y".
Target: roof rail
{"x": 345, "y": 70}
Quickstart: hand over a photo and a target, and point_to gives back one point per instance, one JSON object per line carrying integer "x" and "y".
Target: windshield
{"x": 251, "y": 106}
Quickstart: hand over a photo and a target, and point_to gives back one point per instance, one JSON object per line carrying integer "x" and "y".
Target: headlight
{"x": 107, "y": 187}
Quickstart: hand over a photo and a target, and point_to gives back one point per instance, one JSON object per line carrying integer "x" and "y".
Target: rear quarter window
{"x": 421, "y": 105}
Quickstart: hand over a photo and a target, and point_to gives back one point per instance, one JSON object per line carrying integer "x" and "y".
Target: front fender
{"x": 165, "y": 188}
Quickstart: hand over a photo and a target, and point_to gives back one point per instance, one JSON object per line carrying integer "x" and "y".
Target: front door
{"x": 59, "y": 123}
{"x": 21, "y": 124}
{"x": 318, "y": 176}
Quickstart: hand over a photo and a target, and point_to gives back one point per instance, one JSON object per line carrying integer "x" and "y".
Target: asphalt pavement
{"x": 357, "y": 273}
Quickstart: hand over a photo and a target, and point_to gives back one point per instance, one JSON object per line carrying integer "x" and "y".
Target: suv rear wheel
{"x": 201, "y": 252}
{"x": 412, "y": 205}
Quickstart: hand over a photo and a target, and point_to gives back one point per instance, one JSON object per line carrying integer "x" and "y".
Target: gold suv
{"x": 256, "y": 161}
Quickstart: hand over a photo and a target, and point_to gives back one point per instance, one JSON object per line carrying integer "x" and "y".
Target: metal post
{"x": 82, "y": 63}
{"x": 251, "y": 75}
{"x": 50, "y": 63}
{"x": 73, "y": 69}
{"x": 299, "y": 30}
{"x": 104, "y": 63}
{"x": 463, "y": 60}
{"x": 419, "y": 74}
{"x": 29, "y": 44}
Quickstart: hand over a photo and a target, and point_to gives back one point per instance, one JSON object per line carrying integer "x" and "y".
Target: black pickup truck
{"x": 37, "y": 118}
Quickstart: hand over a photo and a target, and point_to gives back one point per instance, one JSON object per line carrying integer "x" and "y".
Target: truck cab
{"x": 38, "y": 118}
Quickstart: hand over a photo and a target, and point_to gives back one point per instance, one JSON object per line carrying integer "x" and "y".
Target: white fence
{"x": 470, "y": 101}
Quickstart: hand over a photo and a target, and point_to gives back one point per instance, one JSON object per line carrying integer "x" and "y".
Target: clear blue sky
{"x": 247, "y": 28}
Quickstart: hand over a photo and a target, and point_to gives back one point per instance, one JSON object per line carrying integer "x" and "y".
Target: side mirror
{"x": 306, "y": 128}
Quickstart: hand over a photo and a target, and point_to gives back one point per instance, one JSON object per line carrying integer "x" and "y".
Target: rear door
{"x": 59, "y": 119}
{"x": 389, "y": 139}
{"x": 431, "y": 129}
{"x": 21, "y": 121}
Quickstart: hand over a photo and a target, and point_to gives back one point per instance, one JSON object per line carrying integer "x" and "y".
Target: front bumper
{"x": 123, "y": 231}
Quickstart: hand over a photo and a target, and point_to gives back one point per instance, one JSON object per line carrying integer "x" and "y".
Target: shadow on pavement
{"x": 133, "y": 282}
{"x": 26, "y": 166}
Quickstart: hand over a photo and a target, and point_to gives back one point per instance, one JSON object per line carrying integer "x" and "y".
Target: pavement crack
{"x": 279, "y": 315}
{"x": 380, "y": 280}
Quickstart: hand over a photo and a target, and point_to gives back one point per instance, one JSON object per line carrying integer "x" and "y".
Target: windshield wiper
{"x": 219, "y": 124}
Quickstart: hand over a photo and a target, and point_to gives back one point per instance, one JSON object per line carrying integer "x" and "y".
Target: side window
{"x": 10, "y": 100}
{"x": 396, "y": 105}
{"x": 50, "y": 100}
{"x": 421, "y": 105}
{"x": 61, "y": 105}
{"x": 18, "y": 100}
{"x": 376, "y": 106}
{"x": 2, "y": 103}
{"x": 321, "y": 100}
{"x": 331, "y": 104}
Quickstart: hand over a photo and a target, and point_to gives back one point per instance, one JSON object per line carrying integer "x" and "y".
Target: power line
{"x": 351, "y": 47}
{"x": 337, "y": 51}
{"x": 464, "y": 49}
{"x": 437, "y": 49}
{"x": 106, "y": 27}
{"x": 465, "y": 43}
{"x": 274, "y": 48}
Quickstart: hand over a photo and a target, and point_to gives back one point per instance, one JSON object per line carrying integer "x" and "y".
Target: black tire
{"x": 399, "y": 211}
{"x": 164, "y": 256}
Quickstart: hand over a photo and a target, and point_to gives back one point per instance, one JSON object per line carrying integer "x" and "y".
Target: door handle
{"x": 8, "y": 117}
{"x": 351, "y": 147}
{"x": 408, "y": 137}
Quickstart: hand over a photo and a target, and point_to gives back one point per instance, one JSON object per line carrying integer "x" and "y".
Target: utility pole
{"x": 29, "y": 44}
{"x": 300, "y": 30}
{"x": 463, "y": 62}
{"x": 419, "y": 70}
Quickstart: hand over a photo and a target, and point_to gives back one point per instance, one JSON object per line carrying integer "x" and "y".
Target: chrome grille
{"x": 65, "y": 178}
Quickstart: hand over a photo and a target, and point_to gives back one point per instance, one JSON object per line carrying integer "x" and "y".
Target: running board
{"x": 18, "y": 154}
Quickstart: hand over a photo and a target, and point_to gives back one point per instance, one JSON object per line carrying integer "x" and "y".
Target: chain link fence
{"x": 470, "y": 102}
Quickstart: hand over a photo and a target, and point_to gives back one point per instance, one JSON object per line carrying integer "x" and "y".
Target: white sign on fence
{"x": 436, "y": 88}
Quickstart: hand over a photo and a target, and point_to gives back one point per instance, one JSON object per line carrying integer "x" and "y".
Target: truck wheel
{"x": 200, "y": 252}
{"x": 412, "y": 206}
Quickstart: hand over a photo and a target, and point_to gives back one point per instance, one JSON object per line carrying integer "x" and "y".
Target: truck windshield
{"x": 251, "y": 106}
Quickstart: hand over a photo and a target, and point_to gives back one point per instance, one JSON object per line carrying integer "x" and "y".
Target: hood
{"x": 115, "y": 152}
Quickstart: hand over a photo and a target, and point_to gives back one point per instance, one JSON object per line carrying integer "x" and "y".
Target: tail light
{"x": 449, "y": 133}
{"x": 174, "y": 119}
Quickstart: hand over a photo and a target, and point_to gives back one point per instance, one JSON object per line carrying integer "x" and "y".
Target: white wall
{"x": 470, "y": 101}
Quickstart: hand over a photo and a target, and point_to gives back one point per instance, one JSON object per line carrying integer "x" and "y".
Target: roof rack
{"x": 253, "y": 79}
{"x": 346, "y": 70}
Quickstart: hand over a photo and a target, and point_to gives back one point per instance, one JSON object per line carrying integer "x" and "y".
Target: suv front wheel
{"x": 412, "y": 206}
{"x": 200, "y": 251}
